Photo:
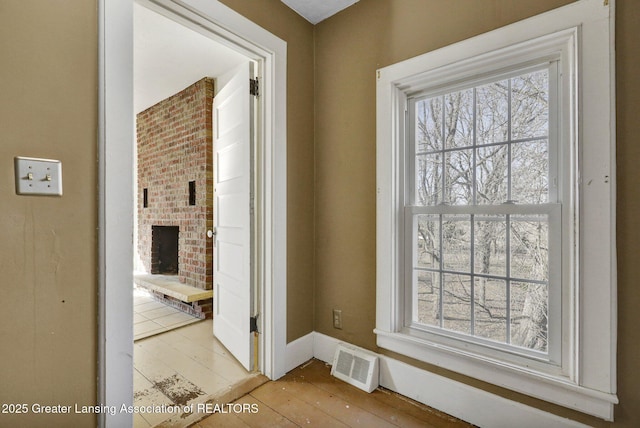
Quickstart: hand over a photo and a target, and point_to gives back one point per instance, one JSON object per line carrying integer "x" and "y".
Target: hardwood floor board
{"x": 230, "y": 395}
{"x": 264, "y": 417}
{"x": 274, "y": 395}
{"x": 226, "y": 420}
{"x": 201, "y": 332}
{"x": 210, "y": 378}
{"x": 413, "y": 408}
{"x": 418, "y": 410}
{"x": 183, "y": 337}
{"x": 389, "y": 406}
{"x": 358, "y": 397}
{"x": 140, "y": 422}
{"x": 210, "y": 354}
{"x": 310, "y": 396}
{"x": 344, "y": 411}
{"x": 149, "y": 366}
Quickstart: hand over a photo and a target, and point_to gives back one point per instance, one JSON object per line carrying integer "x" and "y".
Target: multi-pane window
{"x": 495, "y": 213}
{"x": 481, "y": 211}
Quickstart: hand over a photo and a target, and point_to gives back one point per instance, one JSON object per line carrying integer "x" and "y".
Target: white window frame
{"x": 581, "y": 35}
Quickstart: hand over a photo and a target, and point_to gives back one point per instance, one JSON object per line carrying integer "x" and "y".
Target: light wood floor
{"x": 185, "y": 366}
{"x": 310, "y": 397}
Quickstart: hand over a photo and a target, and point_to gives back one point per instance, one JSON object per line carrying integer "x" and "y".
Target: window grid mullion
{"x": 474, "y": 195}
{"x": 508, "y": 217}
{"x": 509, "y": 140}
{"x": 473, "y": 280}
{"x": 474, "y": 189}
{"x": 497, "y": 143}
{"x": 441, "y": 274}
{"x": 508, "y": 277}
{"x": 442, "y": 152}
{"x": 486, "y": 276}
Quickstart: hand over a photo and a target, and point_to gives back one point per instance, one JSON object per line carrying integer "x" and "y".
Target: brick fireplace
{"x": 175, "y": 186}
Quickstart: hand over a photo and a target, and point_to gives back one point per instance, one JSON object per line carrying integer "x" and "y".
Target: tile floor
{"x": 183, "y": 366}
{"x": 151, "y": 317}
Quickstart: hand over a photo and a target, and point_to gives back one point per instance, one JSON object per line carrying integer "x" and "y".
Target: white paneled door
{"x": 232, "y": 254}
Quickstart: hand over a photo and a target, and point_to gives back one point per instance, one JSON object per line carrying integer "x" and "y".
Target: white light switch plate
{"x": 38, "y": 176}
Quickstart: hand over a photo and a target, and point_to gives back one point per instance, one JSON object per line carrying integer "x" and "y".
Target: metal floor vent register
{"x": 356, "y": 366}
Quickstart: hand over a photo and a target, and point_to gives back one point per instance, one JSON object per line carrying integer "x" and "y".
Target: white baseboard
{"x": 324, "y": 347}
{"x": 299, "y": 352}
{"x": 465, "y": 402}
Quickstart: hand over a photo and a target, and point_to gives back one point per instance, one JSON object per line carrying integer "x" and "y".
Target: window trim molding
{"x": 589, "y": 382}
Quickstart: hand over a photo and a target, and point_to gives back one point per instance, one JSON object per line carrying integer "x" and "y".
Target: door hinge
{"x": 253, "y": 324}
{"x": 254, "y": 88}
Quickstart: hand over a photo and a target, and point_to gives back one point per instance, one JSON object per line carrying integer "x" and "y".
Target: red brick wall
{"x": 174, "y": 140}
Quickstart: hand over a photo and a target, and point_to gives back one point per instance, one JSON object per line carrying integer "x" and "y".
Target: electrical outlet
{"x": 337, "y": 318}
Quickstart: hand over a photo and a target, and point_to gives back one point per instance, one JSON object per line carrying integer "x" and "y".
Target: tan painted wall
{"x": 375, "y": 33}
{"x": 48, "y": 108}
{"x": 48, "y": 256}
{"x": 275, "y": 17}
{"x": 48, "y": 262}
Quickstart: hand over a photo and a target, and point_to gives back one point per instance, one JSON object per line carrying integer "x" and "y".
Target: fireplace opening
{"x": 164, "y": 250}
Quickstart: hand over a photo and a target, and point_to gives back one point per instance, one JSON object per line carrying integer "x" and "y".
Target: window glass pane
{"x": 530, "y": 172}
{"x": 429, "y": 125}
{"x": 428, "y": 289}
{"x": 428, "y": 242}
{"x": 457, "y": 303}
{"x": 529, "y": 246}
{"x": 492, "y": 113}
{"x": 483, "y": 275}
{"x": 491, "y": 174}
{"x": 456, "y": 242}
{"x": 490, "y": 237}
{"x": 490, "y": 309}
{"x": 459, "y": 177}
{"x": 529, "y": 324}
{"x": 429, "y": 179}
{"x": 459, "y": 119}
{"x": 530, "y": 105}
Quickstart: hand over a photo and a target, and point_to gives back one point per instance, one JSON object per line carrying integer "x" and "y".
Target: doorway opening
{"x": 177, "y": 359}
{"x": 116, "y": 206}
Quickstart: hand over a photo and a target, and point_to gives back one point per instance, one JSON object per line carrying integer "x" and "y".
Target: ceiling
{"x": 168, "y": 57}
{"x": 315, "y": 11}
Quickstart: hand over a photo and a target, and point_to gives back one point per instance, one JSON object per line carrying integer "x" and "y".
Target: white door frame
{"x": 116, "y": 198}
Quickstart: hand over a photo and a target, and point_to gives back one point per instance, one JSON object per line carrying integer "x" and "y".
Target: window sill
{"x": 555, "y": 389}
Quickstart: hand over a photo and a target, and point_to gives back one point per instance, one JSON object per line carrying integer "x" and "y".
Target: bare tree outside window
{"x": 484, "y": 274}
